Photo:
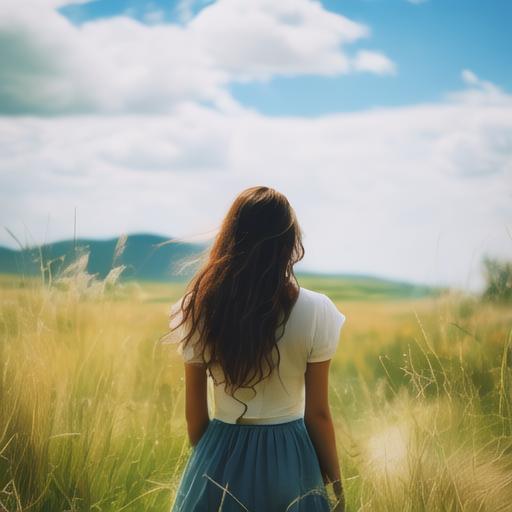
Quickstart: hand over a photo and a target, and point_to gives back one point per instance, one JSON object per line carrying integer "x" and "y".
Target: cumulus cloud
{"x": 119, "y": 64}
{"x": 426, "y": 187}
{"x": 479, "y": 91}
{"x": 109, "y": 65}
{"x": 416, "y": 192}
{"x": 185, "y": 9}
{"x": 255, "y": 40}
{"x": 154, "y": 16}
{"x": 375, "y": 62}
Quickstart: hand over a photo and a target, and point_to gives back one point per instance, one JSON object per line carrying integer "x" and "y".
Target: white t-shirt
{"x": 312, "y": 334}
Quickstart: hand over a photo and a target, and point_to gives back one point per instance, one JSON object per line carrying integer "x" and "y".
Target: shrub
{"x": 498, "y": 274}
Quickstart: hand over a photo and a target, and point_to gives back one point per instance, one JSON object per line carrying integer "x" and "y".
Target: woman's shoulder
{"x": 319, "y": 303}
{"x": 313, "y": 297}
{"x": 327, "y": 321}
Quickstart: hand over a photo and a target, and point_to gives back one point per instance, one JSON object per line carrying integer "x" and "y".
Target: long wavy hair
{"x": 246, "y": 289}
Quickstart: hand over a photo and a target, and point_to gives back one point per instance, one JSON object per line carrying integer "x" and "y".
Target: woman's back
{"x": 311, "y": 335}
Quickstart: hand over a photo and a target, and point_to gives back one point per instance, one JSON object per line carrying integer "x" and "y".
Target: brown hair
{"x": 246, "y": 289}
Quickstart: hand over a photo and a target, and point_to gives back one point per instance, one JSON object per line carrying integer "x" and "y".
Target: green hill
{"x": 143, "y": 258}
{"x": 146, "y": 260}
{"x": 363, "y": 287}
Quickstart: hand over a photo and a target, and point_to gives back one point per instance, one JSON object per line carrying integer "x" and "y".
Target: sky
{"x": 386, "y": 123}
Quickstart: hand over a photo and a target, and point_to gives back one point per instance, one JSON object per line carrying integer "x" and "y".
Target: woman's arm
{"x": 196, "y": 402}
{"x": 318, "y": 420}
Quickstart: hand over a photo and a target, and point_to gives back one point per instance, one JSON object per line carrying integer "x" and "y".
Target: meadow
{"x": 91, "y": 405}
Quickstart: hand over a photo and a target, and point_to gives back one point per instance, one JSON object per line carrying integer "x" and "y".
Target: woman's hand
{"x": 337, "y": 489}
{"x": 340, "y": 498}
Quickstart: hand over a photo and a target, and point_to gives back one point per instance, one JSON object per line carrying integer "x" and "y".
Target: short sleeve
{"x": 191, "y": 352}
{"x": 329, "y": 321}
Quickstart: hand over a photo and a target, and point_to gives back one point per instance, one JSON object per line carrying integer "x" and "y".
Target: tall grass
{"x": 431, "y": 429}
{"x": 87, "y": 406}
{"x": 91, "y": 406}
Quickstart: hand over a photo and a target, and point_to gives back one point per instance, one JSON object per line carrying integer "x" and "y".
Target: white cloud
{"x": 479, "y": 91}
{"x": 374, "y": 62}
{"x": 154, "y": 16}
{"x": 255, "y": 40}
{"x": 417, "y": 192}
{"x": 184, "y": 9}
{"x": 469, "y": 77}
{"x": 121, "y": 65}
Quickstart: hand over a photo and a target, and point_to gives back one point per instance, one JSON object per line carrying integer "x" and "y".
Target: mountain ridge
{"x": 144, "y": 256}
{"x": 153, "y": 257}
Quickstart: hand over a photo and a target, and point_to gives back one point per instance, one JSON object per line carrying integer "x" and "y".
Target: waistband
{"x": 258, "y": 422}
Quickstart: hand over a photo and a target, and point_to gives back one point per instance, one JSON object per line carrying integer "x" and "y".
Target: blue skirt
{"x": 254, "y": 467}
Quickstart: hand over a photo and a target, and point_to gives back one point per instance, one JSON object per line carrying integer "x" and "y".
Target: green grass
{"x": 365, "y": 288}
{"x": 92, "y": 417}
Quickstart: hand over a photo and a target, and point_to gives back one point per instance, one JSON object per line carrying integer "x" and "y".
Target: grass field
{"x": 91, "y": 407}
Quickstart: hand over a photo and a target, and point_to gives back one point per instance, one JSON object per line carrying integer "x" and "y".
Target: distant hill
{"x": 145, "y": 260}
{"x": 364, "y": 287}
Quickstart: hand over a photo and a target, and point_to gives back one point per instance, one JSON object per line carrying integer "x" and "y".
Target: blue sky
{"x": 430, "y": 42}
{"x": 386, "y": 123}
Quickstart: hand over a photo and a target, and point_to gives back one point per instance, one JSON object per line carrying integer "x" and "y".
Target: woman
{"x": 264, "y": 343}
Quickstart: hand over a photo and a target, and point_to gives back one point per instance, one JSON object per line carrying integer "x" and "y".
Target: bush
{"x": 498, "y": 275}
